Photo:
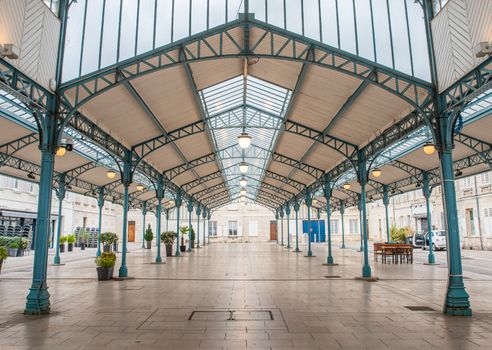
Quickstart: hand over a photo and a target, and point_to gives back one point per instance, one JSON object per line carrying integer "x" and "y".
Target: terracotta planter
{"x": 104, "y": 273}
{"x": 169, "y": 250}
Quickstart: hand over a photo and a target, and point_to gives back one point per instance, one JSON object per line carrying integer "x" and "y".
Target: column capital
{"x": 287, "y": 209}
{"x": 342, "y": 207}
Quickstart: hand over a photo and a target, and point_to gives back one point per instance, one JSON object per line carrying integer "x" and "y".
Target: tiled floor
{"x": 234, "y": 296}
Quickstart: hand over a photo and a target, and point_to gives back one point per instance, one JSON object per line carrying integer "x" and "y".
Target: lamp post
{"x": 60, "y": 194}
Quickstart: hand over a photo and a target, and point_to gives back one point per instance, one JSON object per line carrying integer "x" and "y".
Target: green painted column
{"x": 342, "y": 212}
{"x": 38, "y": 298}
{"x": 209, "y": 215}
{"x": 144, "y": 213}
{"x": 60, "y": 194}
{"x": 318, "y": 216}
{"x": 362, "y": 169}
{"x": 198, "y": 212}
{"x": 204, "y": 216}
{"x": 166, "y": 213}
{"x": 386, "y": 203}
{"x": 309, "y": 201}
{"x": 427, "y": 193}
{"x": 287, "y": 212}
{"x": 159, "y": 194}
{"x": 126, "y": 180}
{"x": 276, "y": 225}
{"x": 178, "y": 202}
{"x": 457, "y": 299}
{"x": 359, "y": 206}
{"x": 281, "y": 213}
{"x": 100, "y": 205}
{"x": 296, "y": 210}
{"x": 328, "y": 193}
{"x": 190, "y": 213}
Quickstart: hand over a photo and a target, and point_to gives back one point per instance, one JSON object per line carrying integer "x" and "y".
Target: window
{"x": 334, "y": 227}
{"x": 212, "y": 228}
{"x": 488, "y": 221}
{"x": 253, "y": 228}
{"x": 232, "y": 228}
{"x": 354, "y": 226}
{"x": 485, "y": 178}
{"x": 438, "y": 5}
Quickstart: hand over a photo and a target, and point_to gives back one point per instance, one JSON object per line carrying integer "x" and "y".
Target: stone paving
{"x": 240, "y": 295}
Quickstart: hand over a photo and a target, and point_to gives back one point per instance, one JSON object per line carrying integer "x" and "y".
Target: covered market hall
{"x": 176, "y": 111}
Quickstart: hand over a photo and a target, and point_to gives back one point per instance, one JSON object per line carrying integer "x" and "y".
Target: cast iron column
{"x": 100, "y": 205}
{"x": 198, "y": 212}
{"x": 362, "y": 168}
{"x": 178, "y": 201}
{"x": 386, "y": 203}
{"x": 287, "y": 212}
{"x": 144, "y": 212}
{"x": 342, "y": 212}
{"x": 281, "y": 212}
{"x": 159, "y": 194}
{"x": 427, "y": 193}
{"x": 190, "y": 212}
{"x": 296, "y": 210}
{"x": 60, "y": 194}
{"x": 309, "y": 201}
{"x": 328, "y": 191}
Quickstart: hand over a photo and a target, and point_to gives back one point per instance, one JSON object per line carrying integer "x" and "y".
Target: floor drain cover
{"x": 333, "y": 276}
{"x": 419, "y": 308}
{"x": 231, "y": 315}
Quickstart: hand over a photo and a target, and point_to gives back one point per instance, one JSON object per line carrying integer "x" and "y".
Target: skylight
{"x": 244, "y": 104}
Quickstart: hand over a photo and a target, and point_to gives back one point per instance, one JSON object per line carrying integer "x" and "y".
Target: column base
{"x": 123, "y": 272}
{"x": 457, "y": 299}
{"x": 56, "y": 260}
{"x": 158, "y": 260}
{"x": 431, "y": 259}
{"x": 367, "y": 279}
{"x": 366, "y": 271}
{"x": 342, "y": 246}
{"x": 38, "y": 301}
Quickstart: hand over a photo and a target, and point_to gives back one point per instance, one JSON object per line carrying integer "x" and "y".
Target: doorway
{"x": 131, "y": 231}
{"x": 273, "y": 230}
{"x": 470, "y": 225}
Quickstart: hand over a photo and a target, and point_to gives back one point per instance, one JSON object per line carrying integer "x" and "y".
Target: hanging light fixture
{"x": 243, "y": 167}
{"x": 60, "y": 151}
{"x": 315, "y": 201}
{"x": 458, "y": 173}
{"x": 243, "y": 199}
{"x": 346, "y": 186}
{"x": 244, "y": 140}
{"x": 242, "y": 192}
{"x": 243, "y": 182}
{"x": 111, "y": 174}
{"x": 31, "y": 175}
{"x": 376, "y": 172}
{"x": 429, "y": 148}
{"x": 140, "y": 187}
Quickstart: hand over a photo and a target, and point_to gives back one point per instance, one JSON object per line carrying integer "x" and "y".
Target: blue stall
{"x": 317, "y": 230}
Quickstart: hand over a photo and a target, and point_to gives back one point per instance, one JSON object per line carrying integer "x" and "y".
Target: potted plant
{"x": 105, "y": 266}
{"x": 149, "y": 236}
{"x": 24, "y": 244}
{"x": 168, "y": 238}
{"x": 70, "y": 241}
{"x": 192, "y": 236}
{"x": 3, "y": 256}
{"x": 13, "y": 248}
{"x": 63, "y": 239}
{"x": 184, "y": 231}
{"x": 83, "y": 239}
{"x": 108, "y": 239}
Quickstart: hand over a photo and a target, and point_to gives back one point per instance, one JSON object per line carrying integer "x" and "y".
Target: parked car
{"x": 418, "y": 240}
{"x": 438, "y": 240}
